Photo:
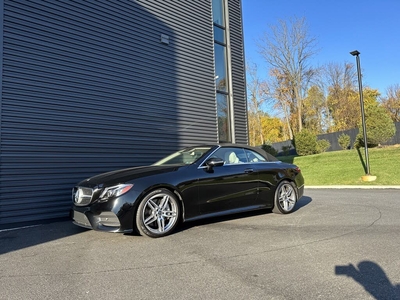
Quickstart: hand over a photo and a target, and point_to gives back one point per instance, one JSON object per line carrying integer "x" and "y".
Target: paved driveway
{"x": 338, "y": 244}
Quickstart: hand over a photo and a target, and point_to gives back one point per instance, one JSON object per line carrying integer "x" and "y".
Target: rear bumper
{"x": 300, "y": 191}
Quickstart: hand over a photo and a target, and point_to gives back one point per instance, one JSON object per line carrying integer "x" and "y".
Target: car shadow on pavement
{"x": 28, "y": 236}
{"x": 301, "y": 203}
{"x": 372, "y": 277}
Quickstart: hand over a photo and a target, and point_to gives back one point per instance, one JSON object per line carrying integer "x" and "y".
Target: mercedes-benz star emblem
{"x": 77, "y": 196}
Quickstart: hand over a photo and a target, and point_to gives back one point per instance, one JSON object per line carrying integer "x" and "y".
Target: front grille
{"x": 82, "y": 196}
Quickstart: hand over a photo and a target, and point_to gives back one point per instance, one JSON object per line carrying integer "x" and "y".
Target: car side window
{"x": 231, "y": 155}
{"x": 253, "y": 156}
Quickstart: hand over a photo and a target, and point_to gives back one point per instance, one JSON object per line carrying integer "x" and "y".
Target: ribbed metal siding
{"x": 88, "y": 87}
{"x": 238, "y": 71}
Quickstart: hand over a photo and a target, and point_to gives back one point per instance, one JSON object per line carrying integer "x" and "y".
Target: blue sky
{"x": 370, "y": 26}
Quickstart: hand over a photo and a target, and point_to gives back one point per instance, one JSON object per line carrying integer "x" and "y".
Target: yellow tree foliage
{"x": 263, "y": 128}
{"x": 313, "y": 110}
{"x": 392, "y": 102}
{"x": 345, "y": 107}
{"x": 370, "y": 96}
{"x": 272, "y": 129}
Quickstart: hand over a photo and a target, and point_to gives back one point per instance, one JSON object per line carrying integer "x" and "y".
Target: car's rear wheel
{"x": 158, "y": 213}
{"x": 285, "y": 198}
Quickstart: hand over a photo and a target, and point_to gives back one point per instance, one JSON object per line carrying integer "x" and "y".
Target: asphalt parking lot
{"x": 338, "y": 244}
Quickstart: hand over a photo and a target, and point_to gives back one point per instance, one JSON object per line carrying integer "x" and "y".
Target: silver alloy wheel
{"x": 160, "y": 213}
{"x": 286, "y": 197}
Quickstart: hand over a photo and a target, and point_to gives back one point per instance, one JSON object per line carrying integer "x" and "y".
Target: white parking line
{"x": 17, "y": 228}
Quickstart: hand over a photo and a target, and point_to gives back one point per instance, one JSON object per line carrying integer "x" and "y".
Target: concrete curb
{"x": 352, "y": 187}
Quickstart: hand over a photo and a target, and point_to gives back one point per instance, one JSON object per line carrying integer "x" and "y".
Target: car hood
{"x": 125, "y": 175}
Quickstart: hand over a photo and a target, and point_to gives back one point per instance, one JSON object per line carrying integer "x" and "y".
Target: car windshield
{"x": 186, "y": 156}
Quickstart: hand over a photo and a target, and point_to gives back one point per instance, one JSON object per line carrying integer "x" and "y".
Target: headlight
{"x": 115, "y": 191}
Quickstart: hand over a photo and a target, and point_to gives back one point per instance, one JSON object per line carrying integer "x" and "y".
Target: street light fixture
{"x": 367, "y": 176}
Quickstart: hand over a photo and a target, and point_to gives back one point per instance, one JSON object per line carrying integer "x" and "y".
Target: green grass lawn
{"x": 345, "y": 167}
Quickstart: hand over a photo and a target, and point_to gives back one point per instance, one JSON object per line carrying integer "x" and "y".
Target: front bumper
{"x": 112, "y": 216}
{"x": 105, "y": 221}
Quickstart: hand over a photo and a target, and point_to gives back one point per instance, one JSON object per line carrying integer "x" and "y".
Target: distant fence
{"x": 334, "y": 136}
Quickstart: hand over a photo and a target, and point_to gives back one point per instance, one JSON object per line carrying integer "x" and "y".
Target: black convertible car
{"x": 196, "y": 182}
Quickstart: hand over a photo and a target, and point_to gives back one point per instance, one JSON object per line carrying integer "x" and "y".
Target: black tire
{"x": 158, "y": 213}
{"x": 285, "y": 198}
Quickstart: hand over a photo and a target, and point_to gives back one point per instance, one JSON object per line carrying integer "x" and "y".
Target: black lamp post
{"x": 356, "y": 54}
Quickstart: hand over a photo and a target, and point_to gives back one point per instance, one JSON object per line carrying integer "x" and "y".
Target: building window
{"x": 221, "y": 72}
{"x": 219, "y": 35}
{"x": 220, "y": 68}
{"x": 218, "y": 12}
{"x": 224, "y": 130}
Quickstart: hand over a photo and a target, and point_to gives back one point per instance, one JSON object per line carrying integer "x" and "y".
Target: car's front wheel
{"x": 285, "y": 198}
{"x": 158, "y": 213}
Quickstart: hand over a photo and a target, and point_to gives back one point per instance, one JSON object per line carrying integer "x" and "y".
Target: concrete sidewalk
{"x": 352, "y": 187}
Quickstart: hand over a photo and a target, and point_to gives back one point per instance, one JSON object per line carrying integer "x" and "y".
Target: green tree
{"x": 380, "y": 127}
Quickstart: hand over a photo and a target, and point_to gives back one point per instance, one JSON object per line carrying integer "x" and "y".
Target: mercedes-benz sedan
{"x": 193, "y": 183}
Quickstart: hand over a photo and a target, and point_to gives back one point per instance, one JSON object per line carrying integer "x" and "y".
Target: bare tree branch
{"x": 287, "y": 48}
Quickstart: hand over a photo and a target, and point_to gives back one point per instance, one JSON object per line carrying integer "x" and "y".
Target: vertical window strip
{"x": 222, "y": 80}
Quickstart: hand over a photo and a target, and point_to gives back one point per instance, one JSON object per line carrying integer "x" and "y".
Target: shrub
{"x": 305, "y": 142}
{"x": 286, "y": 149}
{"x": 359, "y": 142}
{"x": 322, "y": 146}
{"x": 269, "y": 149}
{"x": 344, "y": 141}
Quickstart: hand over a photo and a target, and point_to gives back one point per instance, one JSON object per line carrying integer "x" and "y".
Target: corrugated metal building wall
{"x": 238, "y": 71}
{"x": 88, "y": 87}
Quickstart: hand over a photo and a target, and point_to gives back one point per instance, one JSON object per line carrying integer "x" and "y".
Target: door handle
{"x": 247, "y": 171}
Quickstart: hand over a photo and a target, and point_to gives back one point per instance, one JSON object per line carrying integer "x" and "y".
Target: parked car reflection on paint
{"x": 194, "y": 183}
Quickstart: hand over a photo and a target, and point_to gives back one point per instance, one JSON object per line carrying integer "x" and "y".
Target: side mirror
{"x": 214, "y": 162}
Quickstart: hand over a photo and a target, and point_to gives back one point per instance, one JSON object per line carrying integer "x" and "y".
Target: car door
{"x": 230, "y": 187}
{"x": 268, "y": 173}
